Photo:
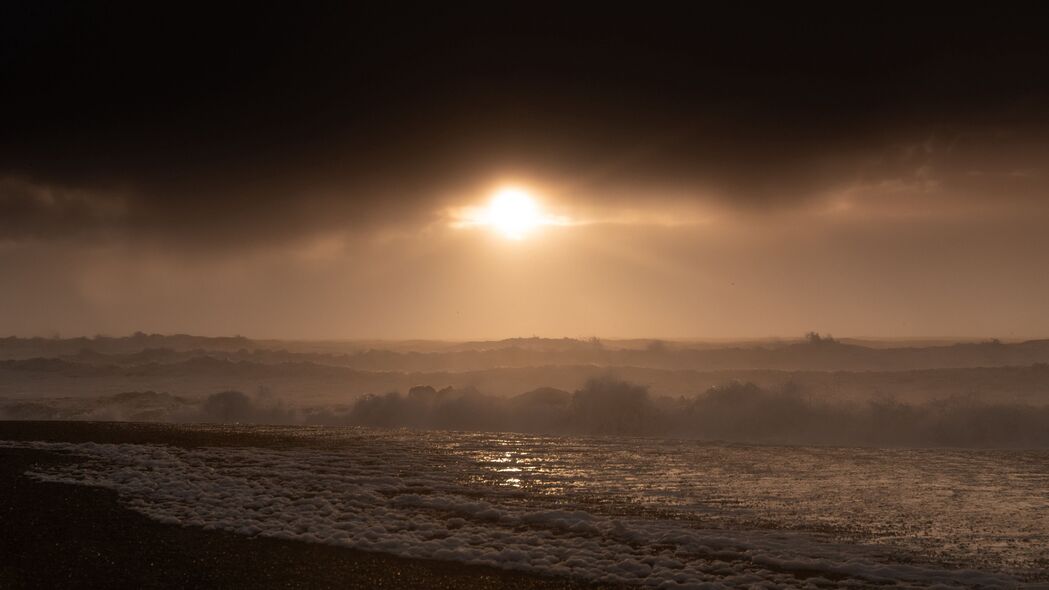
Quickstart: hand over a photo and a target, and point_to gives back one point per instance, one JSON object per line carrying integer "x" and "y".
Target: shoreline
{"x": 69, "y": 536}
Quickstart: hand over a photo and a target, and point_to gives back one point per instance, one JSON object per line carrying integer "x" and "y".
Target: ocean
{"x": 650, "y": 512}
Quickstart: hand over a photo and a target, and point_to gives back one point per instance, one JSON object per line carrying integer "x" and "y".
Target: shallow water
{"x": 658, "y": 513}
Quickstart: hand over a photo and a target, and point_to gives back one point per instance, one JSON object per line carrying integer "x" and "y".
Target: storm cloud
{"x": 149, "y": 153}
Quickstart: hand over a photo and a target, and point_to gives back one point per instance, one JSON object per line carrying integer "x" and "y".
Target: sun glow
{"x": 512, "y": 213}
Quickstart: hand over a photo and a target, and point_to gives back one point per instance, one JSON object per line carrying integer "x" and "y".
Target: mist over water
{"x": 734, "y": 412}
{"x": 985, "y": 394}
{"x": 673, "y": 471}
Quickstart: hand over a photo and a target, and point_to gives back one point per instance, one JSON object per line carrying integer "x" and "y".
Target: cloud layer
{"x": 310, "y": 162}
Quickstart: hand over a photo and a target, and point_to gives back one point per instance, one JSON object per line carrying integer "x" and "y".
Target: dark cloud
{"x": 35, "y": 211}
{"x": 168, "y": 167}
{"x": 242, "y": 125}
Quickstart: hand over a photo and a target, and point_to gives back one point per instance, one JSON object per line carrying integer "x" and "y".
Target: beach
{"x": 68, "y": 536}
{"x": 190, "y": 505}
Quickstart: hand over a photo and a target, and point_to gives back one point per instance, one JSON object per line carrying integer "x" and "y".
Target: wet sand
{"x": 66, "y": 536}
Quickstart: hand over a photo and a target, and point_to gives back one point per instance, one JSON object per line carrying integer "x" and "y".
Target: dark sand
{"x": 66, "y": 536}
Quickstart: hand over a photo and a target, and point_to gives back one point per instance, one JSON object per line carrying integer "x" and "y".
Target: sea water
{"x": 642, "y": 511}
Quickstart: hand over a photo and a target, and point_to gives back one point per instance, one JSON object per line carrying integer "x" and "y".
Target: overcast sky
{"x": 299, "y": 174}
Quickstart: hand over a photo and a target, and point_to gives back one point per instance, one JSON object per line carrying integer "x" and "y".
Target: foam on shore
{"x": 397, "y": 501}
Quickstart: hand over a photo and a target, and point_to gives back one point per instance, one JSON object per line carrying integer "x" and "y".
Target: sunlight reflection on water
{"x": 956, "y": 507}
{"x": 953, "y": 505}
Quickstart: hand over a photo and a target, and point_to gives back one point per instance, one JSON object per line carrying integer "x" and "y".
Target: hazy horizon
{"x": 742, "y": 338}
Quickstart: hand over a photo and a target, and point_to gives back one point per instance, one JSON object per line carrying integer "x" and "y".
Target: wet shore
{"x": 66, "y": 536}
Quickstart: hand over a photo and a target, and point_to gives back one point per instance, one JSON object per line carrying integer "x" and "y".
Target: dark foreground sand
{"x": 65, "y": 536}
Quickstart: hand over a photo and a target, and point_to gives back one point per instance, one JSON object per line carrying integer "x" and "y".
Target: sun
{"x": 513, "y": 213}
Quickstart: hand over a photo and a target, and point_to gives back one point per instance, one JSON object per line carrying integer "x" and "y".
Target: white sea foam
{"x": 387, "y": 496}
